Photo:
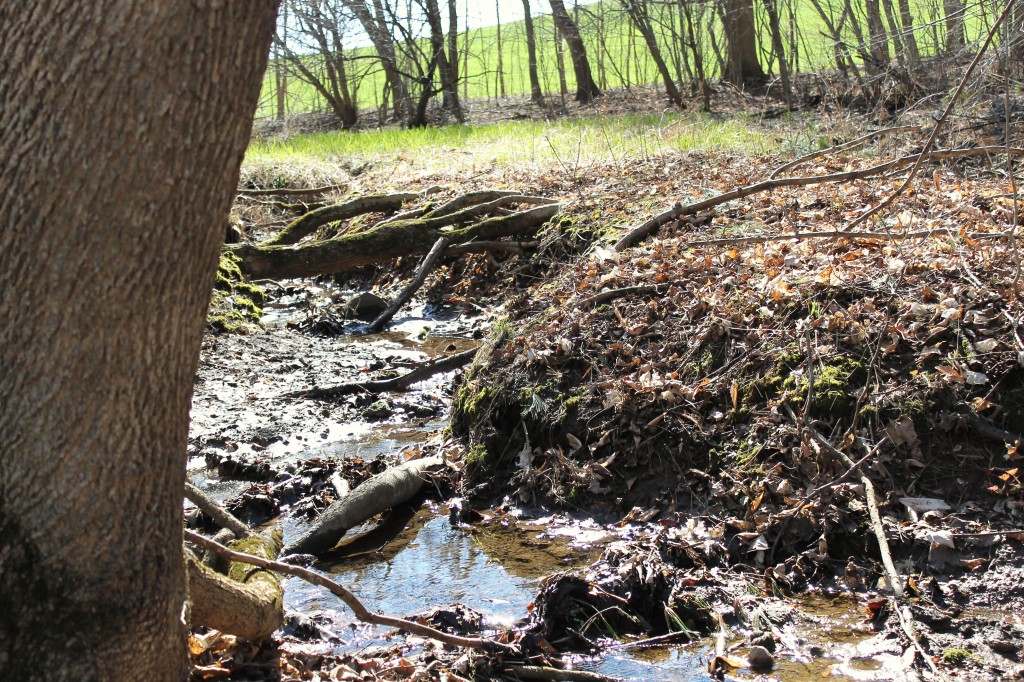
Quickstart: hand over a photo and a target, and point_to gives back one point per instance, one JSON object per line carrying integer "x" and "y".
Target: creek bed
{"x": 493, "y": 568}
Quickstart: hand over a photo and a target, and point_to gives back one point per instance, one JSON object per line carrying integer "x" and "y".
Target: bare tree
{"x": 320, "y": 58}
{"x": 639, "y": 15}
{"x": 586, "y": 88}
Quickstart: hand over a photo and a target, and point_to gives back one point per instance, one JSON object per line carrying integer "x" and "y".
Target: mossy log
{"x": 383, "y": 243}
{"x": 247, "y": 602}
{"x": 380, "y": 493}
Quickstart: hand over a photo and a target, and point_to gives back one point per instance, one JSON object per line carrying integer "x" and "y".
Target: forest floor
{"x": 694, "y": 404}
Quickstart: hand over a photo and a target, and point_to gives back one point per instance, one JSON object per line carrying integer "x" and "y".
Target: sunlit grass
{"x": 566, "y": 143}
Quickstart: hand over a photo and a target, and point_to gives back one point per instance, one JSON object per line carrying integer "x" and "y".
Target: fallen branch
{"x": 289, "y": 192}
{"x": 637, "y": 234}
{"x": 989, "y": 430}
{"x": 840, "y": 234}
{"x": 428, "y": 264}
{"x": 399, "y": 383}
{"x": 360, "y": 611}
{"x": 221, "y": 516}
{"x": 612, "y": 294}
{"x": 380, "y": 493}
{"x": 875, "y": 518}
{"x": 536, "y": 672}
{"x": 841, "y": 147}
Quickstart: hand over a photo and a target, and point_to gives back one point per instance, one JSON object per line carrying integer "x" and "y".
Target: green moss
{"x": 236, "y": 305}
{"x": 956, "y": 656}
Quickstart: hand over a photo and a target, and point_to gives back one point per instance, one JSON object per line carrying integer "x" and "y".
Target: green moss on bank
{"x": 236, "y": 305}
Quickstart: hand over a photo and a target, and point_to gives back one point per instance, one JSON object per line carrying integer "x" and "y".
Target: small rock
{"x": 378, "y": 410}
{"x": 760, "y": 658}
{"x": 365, "y": 306}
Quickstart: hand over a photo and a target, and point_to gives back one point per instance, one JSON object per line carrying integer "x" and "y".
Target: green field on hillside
{"x": 618, "y": 55}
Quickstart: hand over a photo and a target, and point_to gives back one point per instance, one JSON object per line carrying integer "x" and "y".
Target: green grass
{"x": 626, "y": 61}
{"x": 567, "y": 143}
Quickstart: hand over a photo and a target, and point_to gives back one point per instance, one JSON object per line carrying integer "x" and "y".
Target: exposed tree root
{"x": 460, "y": 221}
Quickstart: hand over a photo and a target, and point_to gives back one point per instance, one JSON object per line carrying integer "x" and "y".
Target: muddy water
{"x": 423, "y": 561}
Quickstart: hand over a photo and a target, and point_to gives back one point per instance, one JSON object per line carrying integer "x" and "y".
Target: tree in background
{"x": 586, "y": 88}
{"x": 742, "y": 67}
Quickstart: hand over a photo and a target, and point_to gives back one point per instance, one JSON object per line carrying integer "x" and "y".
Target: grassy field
{"x": 619, "y": 56}
{"x": 518, "y": 147}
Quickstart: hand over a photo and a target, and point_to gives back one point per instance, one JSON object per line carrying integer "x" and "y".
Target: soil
{"x": 680, "y": 416}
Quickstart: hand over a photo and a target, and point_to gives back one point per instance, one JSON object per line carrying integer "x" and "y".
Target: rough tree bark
{"x": 124, "y": 127}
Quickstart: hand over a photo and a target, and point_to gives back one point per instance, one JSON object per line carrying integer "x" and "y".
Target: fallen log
{"x": 380, "y": 493}
{"x": 247, "y": 602}
{"x": 307, "y": 224}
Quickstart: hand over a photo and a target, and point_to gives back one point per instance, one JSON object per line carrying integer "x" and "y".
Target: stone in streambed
{"x": 365, "y": 306}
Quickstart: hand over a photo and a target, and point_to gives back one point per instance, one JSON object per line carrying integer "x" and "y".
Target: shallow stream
{"x": 429, "y": 562}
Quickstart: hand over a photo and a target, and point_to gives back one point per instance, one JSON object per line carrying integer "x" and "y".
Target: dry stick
{"x": 612, "y": 294}
{"x": 638, "y": 233}
{"x": 840, "y": 234}
{"x": 288, "y": 192}
{"x": 938, "y": 124}
{"x": 221, "y": 516}
{"x": 429, "y": 262}
{"x": 536, "y": 672}
{"x": 841, "y": 147}
{"x": 870, "y": 498}
{"x": 400, "y": 383}
{"x": 360, "y": 611}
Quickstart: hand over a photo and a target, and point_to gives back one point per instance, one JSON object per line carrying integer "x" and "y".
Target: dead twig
{"x": 400, "y": 383}
{"x": 357, "y": 607}
{"x": 875, "y": 519}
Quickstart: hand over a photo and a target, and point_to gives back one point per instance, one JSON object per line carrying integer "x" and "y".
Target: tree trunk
{"x": 637, "y": 11}
{"x": 536, "y": 94}
{"x": 449, "y": 86}
{"x": 780, "y": 52}
{"x": 954, "y": 10}
{"x": 742, "y": 67}
{"x": 586, "y": 88}
{"x": 124, "y": 127}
